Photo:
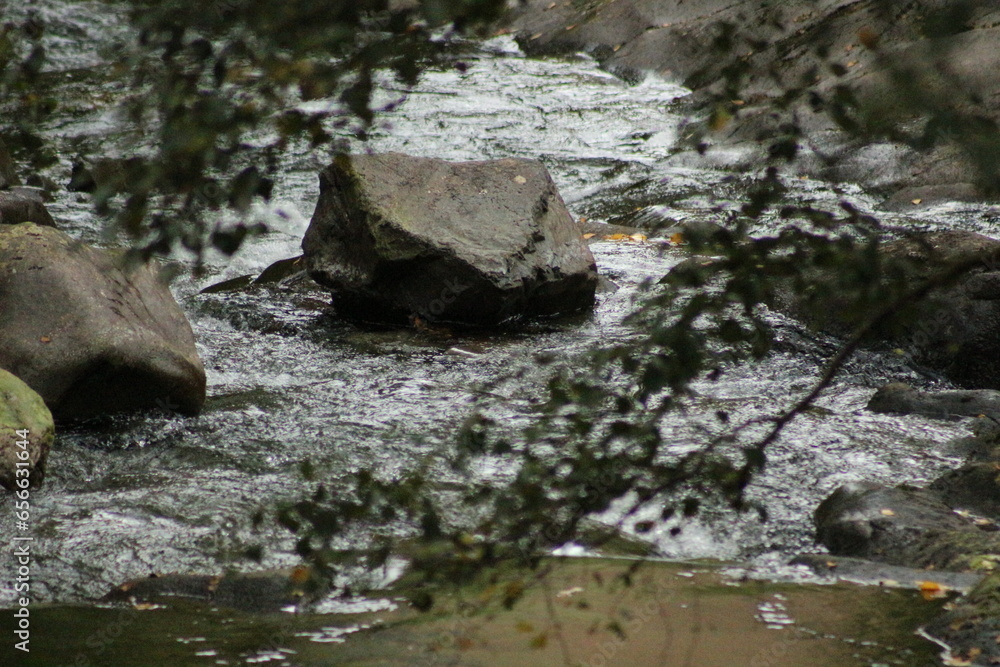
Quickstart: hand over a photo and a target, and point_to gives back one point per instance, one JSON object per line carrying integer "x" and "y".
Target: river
{"x": 288, "y": 382}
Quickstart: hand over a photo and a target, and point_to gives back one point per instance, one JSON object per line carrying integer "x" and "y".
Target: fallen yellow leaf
{"x": 676, "y": 238}
{"x": 888, "y": 512}
{"x": 931, "y": 590}
{"x": 589, "y": 236}
{"x": 916, "y": 201}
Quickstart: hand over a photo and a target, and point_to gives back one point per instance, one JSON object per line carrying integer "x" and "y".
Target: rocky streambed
{"x": 287, "y": 380}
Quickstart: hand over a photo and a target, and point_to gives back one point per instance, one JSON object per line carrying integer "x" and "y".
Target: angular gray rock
{"x": 871, "y": 521}
{"x": 473, "y": 243}
{"x": 90, "y": 333}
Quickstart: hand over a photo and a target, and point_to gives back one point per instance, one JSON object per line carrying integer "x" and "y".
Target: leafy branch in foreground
{"x": 602, "y": 441}
{"x": 213, "y": 94}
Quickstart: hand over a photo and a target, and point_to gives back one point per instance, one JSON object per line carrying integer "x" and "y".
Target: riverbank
{"x": 588, "y": 612}
{"x": 903, "y": 100}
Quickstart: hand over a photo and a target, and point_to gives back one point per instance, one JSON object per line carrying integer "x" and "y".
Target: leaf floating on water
{"x": 931, "y": 590}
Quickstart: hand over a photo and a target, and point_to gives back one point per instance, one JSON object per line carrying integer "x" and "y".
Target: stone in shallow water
{"x": 26, "y": 433}
{"x": 91, "y": 333}
{"x": 475, "y": 243}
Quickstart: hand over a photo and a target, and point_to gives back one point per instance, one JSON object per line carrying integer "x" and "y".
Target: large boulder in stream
{"x": 473, "y": 243}
{"x": 89, "y": 331}
{"x": 903, "y": 526}
{"x": 26, "y": 434}
{"x": 954, "y": 329}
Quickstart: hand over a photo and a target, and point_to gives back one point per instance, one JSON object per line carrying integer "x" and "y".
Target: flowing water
{"x": 289, "y": 382}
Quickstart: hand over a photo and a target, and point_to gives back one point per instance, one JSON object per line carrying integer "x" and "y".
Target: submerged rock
{"x": 26, "y": 434}
{"x": 474, "y": 243}
{"x": 901, "y": 398}
{"x": 91, "y": 333}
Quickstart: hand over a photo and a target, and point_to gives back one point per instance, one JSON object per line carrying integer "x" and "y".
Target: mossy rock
{"x": 26, "y": 433}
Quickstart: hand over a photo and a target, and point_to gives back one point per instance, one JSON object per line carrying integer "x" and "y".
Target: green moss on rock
{"x": 22, "y": 413}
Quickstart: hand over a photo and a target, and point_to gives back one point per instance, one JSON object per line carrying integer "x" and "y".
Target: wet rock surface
{"x": 90, "y": 333}
{"x": 901, "y": 398}
{"x": 810, "y": 70}
{"x": 23, "y": 205}
{"x": 899, "y": 526}
{"x": 861, "y": 571}
{"x": 26, "y": 434}
{"x": 974, "y": 487}
{"x": 953, "y": 329}
{"x": 475, "y": 243}
{"x": 971, "y": 627}
{"x": 957, "y": 330}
